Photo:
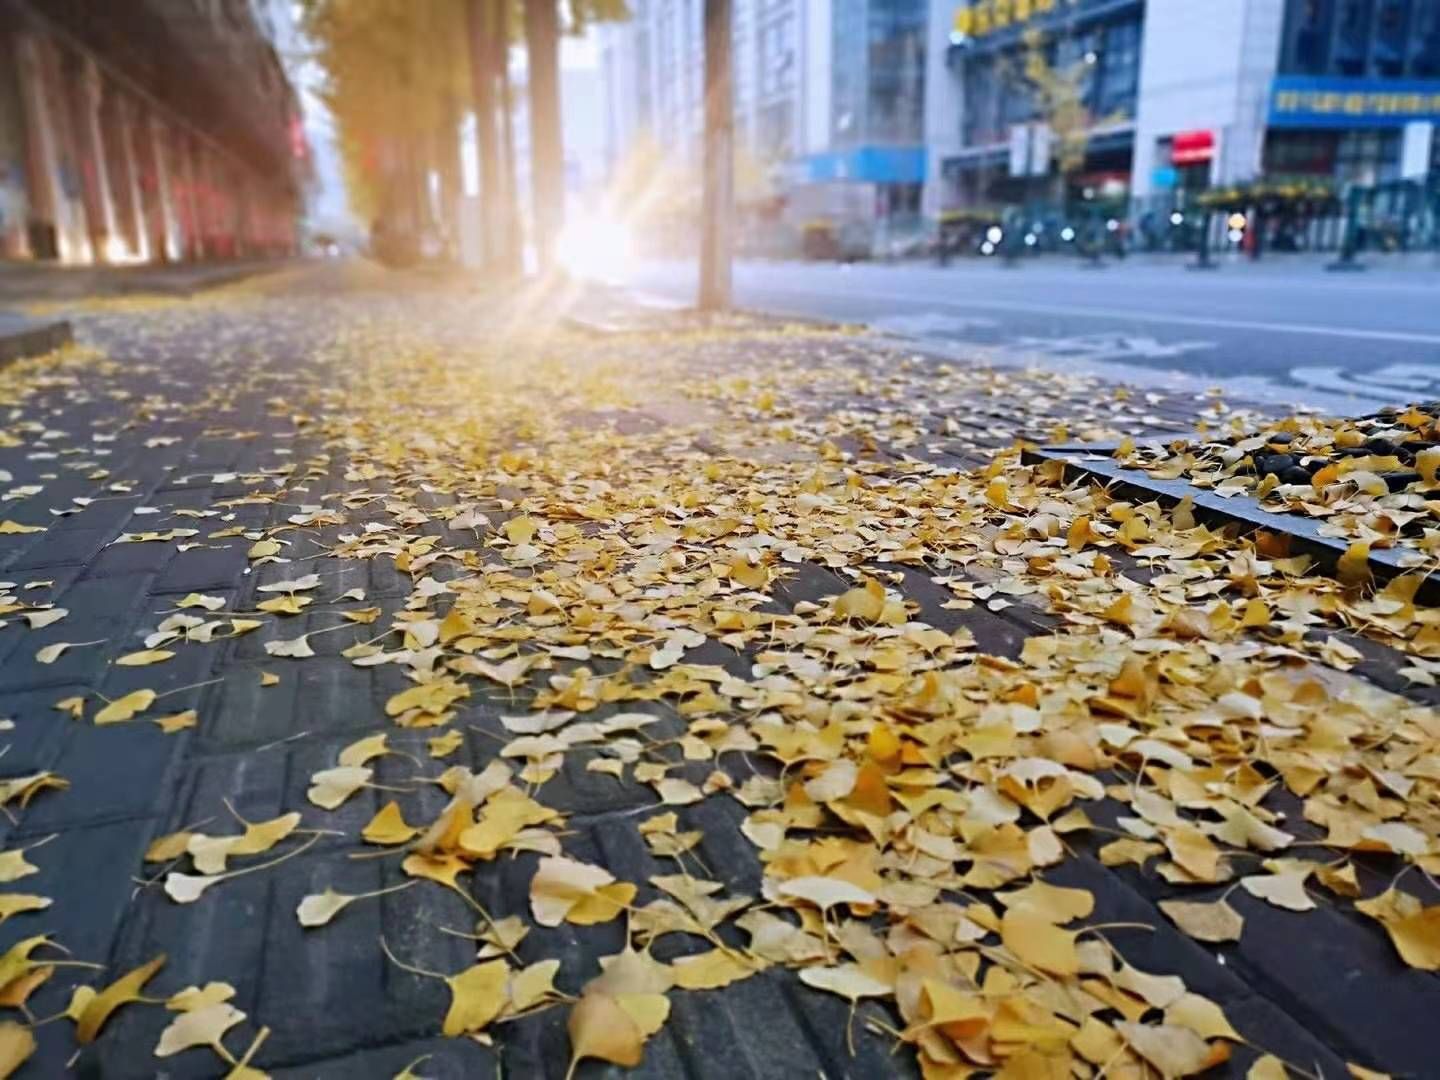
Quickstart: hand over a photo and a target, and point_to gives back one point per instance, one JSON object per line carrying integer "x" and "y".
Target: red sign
{"x": 1192, "y": 147}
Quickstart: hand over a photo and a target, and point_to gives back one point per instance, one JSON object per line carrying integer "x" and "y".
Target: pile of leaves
{"x": 757, "y": 576}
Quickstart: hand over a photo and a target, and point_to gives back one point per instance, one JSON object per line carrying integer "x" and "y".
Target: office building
{"x": 1178, "y": 96}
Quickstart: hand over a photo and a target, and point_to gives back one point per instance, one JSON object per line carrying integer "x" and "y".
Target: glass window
{"x": 1119, "y": 63}
{"x": 878, "y": 71}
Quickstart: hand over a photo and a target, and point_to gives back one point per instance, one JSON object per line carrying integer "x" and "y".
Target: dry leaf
{"x": 711, "y": 970}
{"x": 294, "y": 648}
{"x": 363, "y": 751}
{"x": 614, "y": 1027}
{"x": 17, "y": 1043}
{"x": 331, "y": 787}
{"x": 18, "y": 903}
{"x": 1174, "y": 1051}
{"x": 564, "y": 890}
{"x": 125, "y": 708}
{"x": 203, "y": 1026}
{"x": 1039, "y": 943}
{"x": 1285, "y": 890}
{"x": 477, "y": 996}
{"x": 14, "y": 866}
{"x": 1213, "y": 922}
{"x": 122, "y": 991}
{"x": 144, "y": 658}
{"x": 389, "y": 826}
{"x": 176, "y": 721}
{"x": 318, "y": 909}
{"x": 850, "y": 981}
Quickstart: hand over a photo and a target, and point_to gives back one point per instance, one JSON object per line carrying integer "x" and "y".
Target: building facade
{"x": 158, "y": 133}
{"x": 1179, "y": 96}
{"x": 829, "y": 100}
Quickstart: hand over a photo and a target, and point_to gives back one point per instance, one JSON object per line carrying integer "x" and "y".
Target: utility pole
{"x": 717, "y": 200}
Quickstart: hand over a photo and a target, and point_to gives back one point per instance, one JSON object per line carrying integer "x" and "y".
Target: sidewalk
{"x": 22, "y": 283}
{"x": 748, "y": 660}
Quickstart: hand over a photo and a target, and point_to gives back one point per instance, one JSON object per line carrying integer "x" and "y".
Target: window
{"x": 1368, "y": 157}
{"x": 777, "y": 56}
{"x": 878, "y": 68}
{"x": 1119, "y": 70}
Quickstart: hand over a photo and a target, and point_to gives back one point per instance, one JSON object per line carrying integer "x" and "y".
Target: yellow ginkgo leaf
{"x": 144, "y": 658}
{"x": 712, "y": 970}
{"x": 601, "y": 1027}
{"x": 1174, "y": 1051}
{"x": 1038, "y": 942}
{"x": 125, "y": 708}
{"x": 477, "y": 996}
{"x": 200, "y": 600}
{"x": 14, "y": 866}
{"x": 565, "y": 890}
{"x": 331, "y": 787}
{"x": 122, "y": 991}
{"x": 850, "y": 981}
{"x": 364, "y": 750}
{"x": 389, "y": 826}
{"x": 17, "y": 903}
{"x": 203, "y": 1026}
{"x": 195, "y": 997}
{"x": 1353, "y": 567}
{"x": 1213, "y": 922}
{"x": 531, "y": 985}
{"x": 17, "y": 1043}
{"x": 75, "y": 706}
{"x": 442, "y": 746}
{"x": 268, "y": 678}
{"x": 283, "y": 605}
{"x": 177, "y": 721}
{"x": 317, "y": 909}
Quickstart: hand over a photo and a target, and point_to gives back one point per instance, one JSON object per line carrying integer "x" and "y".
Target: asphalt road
{"x": 1283, "y": 330}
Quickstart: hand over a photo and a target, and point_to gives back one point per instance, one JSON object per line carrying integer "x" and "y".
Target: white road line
{"x": 1127, "y": 314}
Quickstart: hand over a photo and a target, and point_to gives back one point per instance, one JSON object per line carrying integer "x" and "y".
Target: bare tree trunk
{"x": 512, "y": 258}
{"x": 716, "y": 207}
{"x": 482, "y": 78}
{"x": 547, "y": 158}
{"x": 447, "y": 155}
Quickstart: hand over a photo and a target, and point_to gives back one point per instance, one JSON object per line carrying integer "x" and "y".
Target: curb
{"x": 21, "y": 337}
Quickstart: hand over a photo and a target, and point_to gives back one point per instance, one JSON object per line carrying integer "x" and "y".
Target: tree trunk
{"x": 716, "y": 207}
{"x": 482, "y": 78}
{"x": 452, "y": 194}
{"x": 512, "y": 259}
{"x": 547, "y": 159}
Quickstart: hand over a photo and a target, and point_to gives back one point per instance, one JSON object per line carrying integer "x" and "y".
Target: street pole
{"x": 1202, "y": 259}
{"x": 1350, "y": 244}
{"x": 716, "y": 206}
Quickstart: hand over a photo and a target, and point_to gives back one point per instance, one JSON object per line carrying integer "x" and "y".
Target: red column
{"x": 87, "y": 90}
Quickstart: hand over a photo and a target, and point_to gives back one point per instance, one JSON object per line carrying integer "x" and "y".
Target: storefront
{"x": 1352, "y": 130}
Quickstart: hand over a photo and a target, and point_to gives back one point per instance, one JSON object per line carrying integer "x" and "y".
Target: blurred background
{"x": 150, "y": 130}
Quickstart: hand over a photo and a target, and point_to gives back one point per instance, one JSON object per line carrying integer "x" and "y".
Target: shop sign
{"x": 1304, "y": 102}
{"x": 1192, "y": 147}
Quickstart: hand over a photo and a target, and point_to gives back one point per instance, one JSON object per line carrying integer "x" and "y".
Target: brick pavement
{"x": 1319, "y": 992}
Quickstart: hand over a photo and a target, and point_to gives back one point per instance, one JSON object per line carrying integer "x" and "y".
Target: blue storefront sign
{"x": 1303, "y": 102}
{"x": 877, "y": 164}
{"x": 1164, "y": 177}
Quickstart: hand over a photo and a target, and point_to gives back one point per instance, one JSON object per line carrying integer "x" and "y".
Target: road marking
{"x": 1116, "y": 313}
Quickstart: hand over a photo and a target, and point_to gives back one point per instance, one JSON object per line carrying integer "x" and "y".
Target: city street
{"x": 1283, "y": 330}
